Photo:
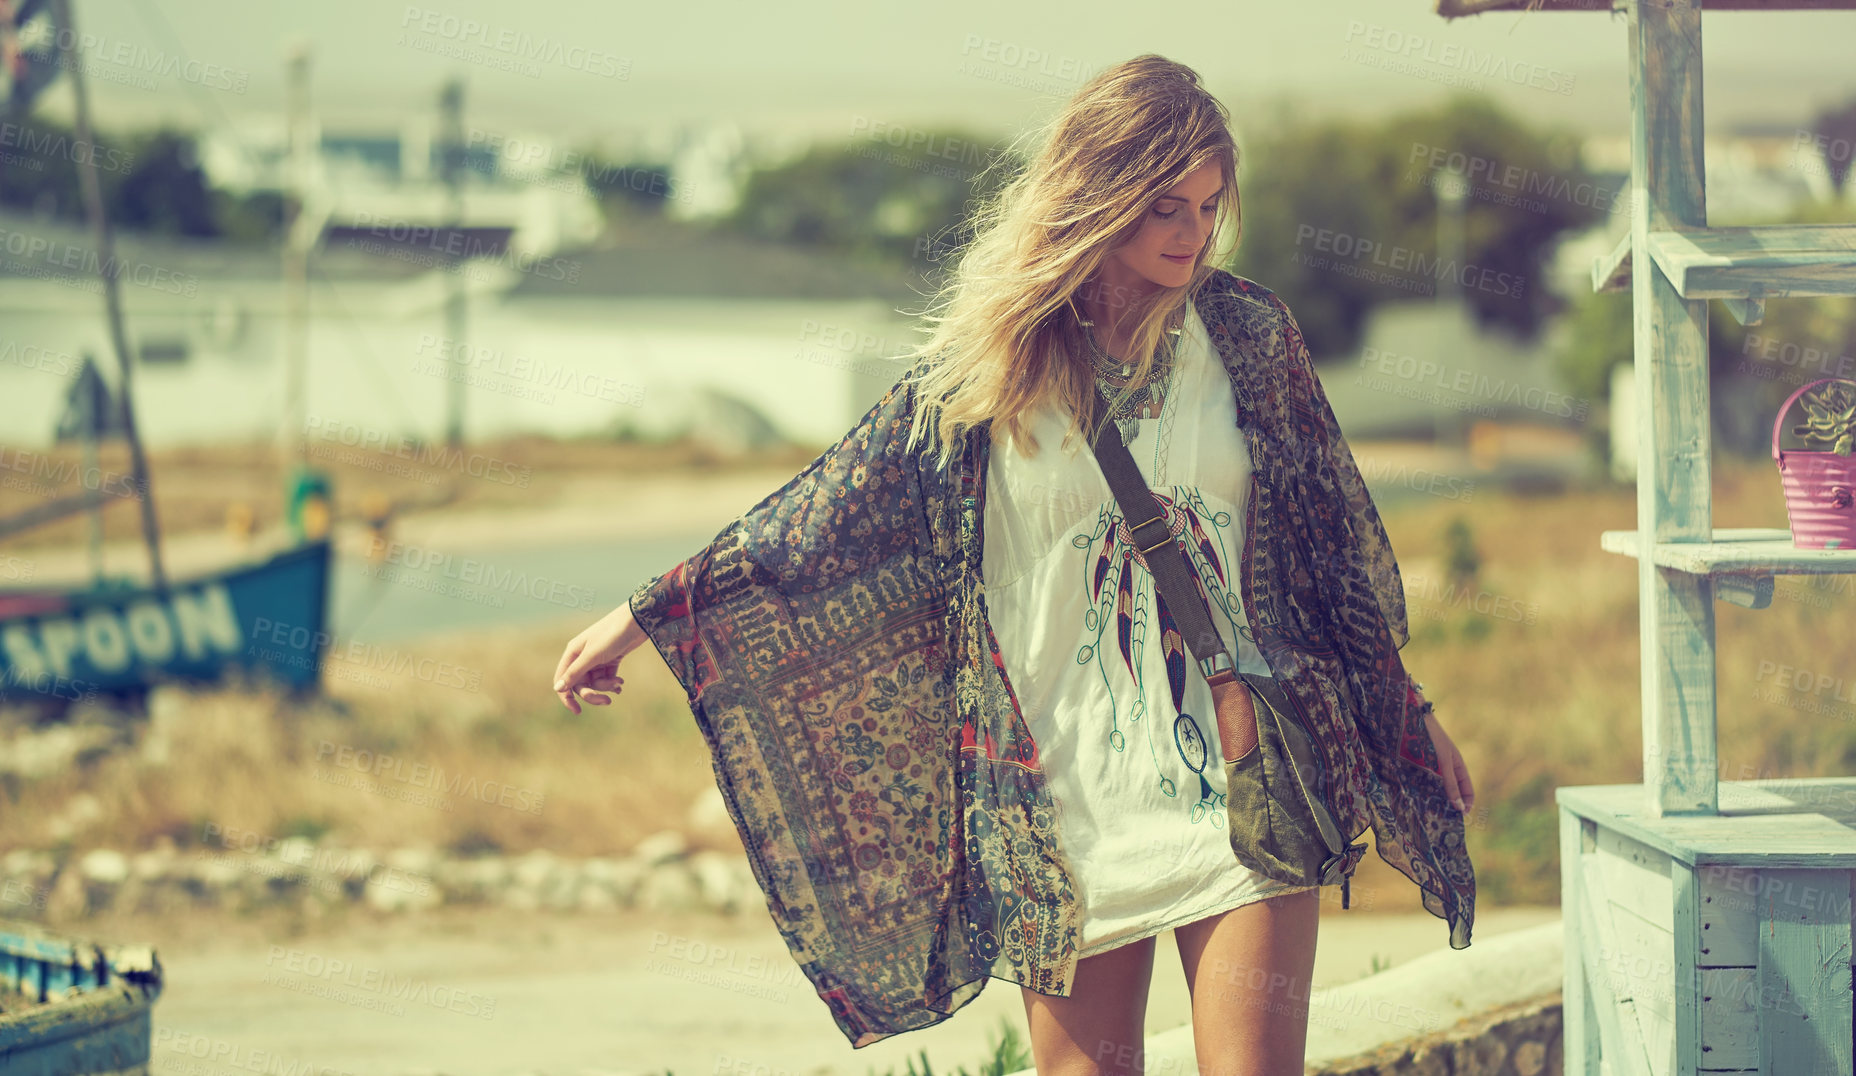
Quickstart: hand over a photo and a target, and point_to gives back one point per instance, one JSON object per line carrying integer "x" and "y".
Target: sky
{"x": 604, "y": 71}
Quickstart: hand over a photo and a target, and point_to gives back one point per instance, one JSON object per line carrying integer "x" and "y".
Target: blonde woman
{"x": 945, "y": 706}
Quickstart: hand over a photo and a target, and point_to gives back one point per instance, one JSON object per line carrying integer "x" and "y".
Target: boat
{"x": 267, "y": 619}
{"x": 74, "y": 1006}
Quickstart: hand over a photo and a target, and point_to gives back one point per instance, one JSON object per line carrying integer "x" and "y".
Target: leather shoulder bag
{"x": 1279, "y": 825}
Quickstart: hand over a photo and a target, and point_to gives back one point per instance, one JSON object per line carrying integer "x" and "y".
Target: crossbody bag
{"x": 1279, "y": 826}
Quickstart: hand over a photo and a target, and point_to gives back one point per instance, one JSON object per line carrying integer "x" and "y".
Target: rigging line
{"x": 331, "y": 180}
{"x": 160, "y": 24}
{"x": 372, "y": 366}
{"x": 166, "y": 29}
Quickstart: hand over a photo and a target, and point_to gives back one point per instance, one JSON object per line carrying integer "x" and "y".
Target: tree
{"x": 152, "y": 183}
{"x": 1341, "y": 215}
{"x": 641, "y": 187}
{"x": 903, "y": 205}
{"x": 1836, "y": 128}
{"x": 165, "y": 191}
{"x": 1751, "y": 369}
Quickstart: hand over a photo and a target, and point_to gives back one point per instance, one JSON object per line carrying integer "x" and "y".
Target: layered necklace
{"x": 1113, "y": 375}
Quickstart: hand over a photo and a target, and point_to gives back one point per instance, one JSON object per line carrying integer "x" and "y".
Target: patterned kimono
{"x": 835, "y": 649}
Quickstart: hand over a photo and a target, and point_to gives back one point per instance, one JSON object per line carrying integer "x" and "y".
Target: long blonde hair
{"x": 1007, "y": 332}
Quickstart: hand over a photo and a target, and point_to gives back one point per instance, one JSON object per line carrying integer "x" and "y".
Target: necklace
{"x": 1112, "y": 375}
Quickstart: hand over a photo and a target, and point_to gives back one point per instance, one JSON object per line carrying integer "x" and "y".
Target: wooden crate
{"x": 1710, "y": 943}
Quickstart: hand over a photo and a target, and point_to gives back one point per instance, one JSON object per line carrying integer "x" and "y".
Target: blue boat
{"x": 266, "y": 618}
{"x": 73, "y": 1007}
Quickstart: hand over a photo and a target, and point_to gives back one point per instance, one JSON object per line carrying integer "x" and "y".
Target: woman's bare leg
{"x": 1250, "y": 971}
{"x": 1096, "y": 1031}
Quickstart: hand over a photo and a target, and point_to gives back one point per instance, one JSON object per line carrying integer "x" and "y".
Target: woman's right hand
{"x": 591, "y": 660}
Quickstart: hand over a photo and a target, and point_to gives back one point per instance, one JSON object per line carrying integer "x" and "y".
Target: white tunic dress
{"x": 1140, "y": 792}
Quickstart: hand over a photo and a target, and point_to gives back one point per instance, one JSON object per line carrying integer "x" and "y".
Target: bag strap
{"x": 1172, "y": 575}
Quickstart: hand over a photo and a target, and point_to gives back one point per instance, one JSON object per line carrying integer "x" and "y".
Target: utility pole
{"x": 292, "y": 451}
{"x": 68, "y": 39}
{"x": 451, "y": 149}
{"x": 1452, "y": 188}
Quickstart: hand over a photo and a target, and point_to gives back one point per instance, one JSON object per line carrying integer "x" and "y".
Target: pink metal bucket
{"x": 1820, "y": 487}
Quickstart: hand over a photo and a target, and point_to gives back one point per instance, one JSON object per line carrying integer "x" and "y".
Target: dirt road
{"x": 496, "y": 993}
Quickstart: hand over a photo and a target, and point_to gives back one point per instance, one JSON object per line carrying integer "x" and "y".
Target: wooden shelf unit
{"x": 1708, "y": 923}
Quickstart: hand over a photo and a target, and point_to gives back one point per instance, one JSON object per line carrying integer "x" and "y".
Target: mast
{"x": 112, "y": 295}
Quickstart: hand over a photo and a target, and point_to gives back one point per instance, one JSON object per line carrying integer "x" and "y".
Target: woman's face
{"x": 1175, "y": 229}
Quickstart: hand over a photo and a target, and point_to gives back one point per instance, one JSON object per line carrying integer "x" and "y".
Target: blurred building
{"x": 391, "y": 177}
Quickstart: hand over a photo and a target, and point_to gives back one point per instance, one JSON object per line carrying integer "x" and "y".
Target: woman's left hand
{"x": 1450, "y": 763}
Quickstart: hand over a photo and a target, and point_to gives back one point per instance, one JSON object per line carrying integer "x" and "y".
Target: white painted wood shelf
{"x": 1766, "y": 261}
{"x": 1741, "y": 266}
{"x": 1760, "y": 261}
{"x": 1737, "y": 551}
{"x": 1806, "y": 822}
{"x": 1709, "y": 923}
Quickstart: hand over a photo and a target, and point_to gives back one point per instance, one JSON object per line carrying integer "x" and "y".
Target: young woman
{"x": 947, "y": 709}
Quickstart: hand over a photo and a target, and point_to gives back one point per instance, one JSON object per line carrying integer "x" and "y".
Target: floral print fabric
{"x": 836, "y": 652}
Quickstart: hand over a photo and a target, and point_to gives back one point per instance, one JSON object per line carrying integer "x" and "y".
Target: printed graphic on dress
{"x": 1122, "y": 604}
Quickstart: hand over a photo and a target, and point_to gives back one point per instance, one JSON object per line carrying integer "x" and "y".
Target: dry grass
{"x": 195, "y": 487}
{"x": 251, "y": 762}
{"x": 1533, "y": 703}
{"x": 1557, "y": 701}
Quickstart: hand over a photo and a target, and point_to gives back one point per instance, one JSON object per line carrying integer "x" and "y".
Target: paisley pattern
{"x": 834, "y": 646}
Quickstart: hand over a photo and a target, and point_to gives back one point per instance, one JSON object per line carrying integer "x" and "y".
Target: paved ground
{"x": 498, "y": 992}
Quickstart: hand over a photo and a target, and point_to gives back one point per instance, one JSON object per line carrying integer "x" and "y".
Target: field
{"x": 1531, "y": 662}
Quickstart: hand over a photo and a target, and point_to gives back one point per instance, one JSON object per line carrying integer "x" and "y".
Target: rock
{"x": 54, "y": 750}
{"x": 400, "y": 891}
{"x": 79, "y": 813}
{"x": 1431, "y": 1060}
{"x": 300, "y": 851}
{"x": 1484, "y": 1056}
{"x": 535, "y": 870}
{"x": 218, "y": 872}
{"x": 716, "y": 879}
{"x": 603, "y": 869}
{"x": 669, "y": 887}
{"x": 350, "y": 867}
{"x": 155, "y": 863}
{"x": 709, "y": 822}
{"x": 1530, "y": 1059}
{"x": 420, "y": 861}
{"x": 664, "y": 873}
{"x": 661, "y": 847}
{"x": 486, "y": 878}
{"x": 562, "y": 891}
{"x": 597, "y": 897}
{"x": 627, "y": 876}
{"x": 105, "y": 866}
